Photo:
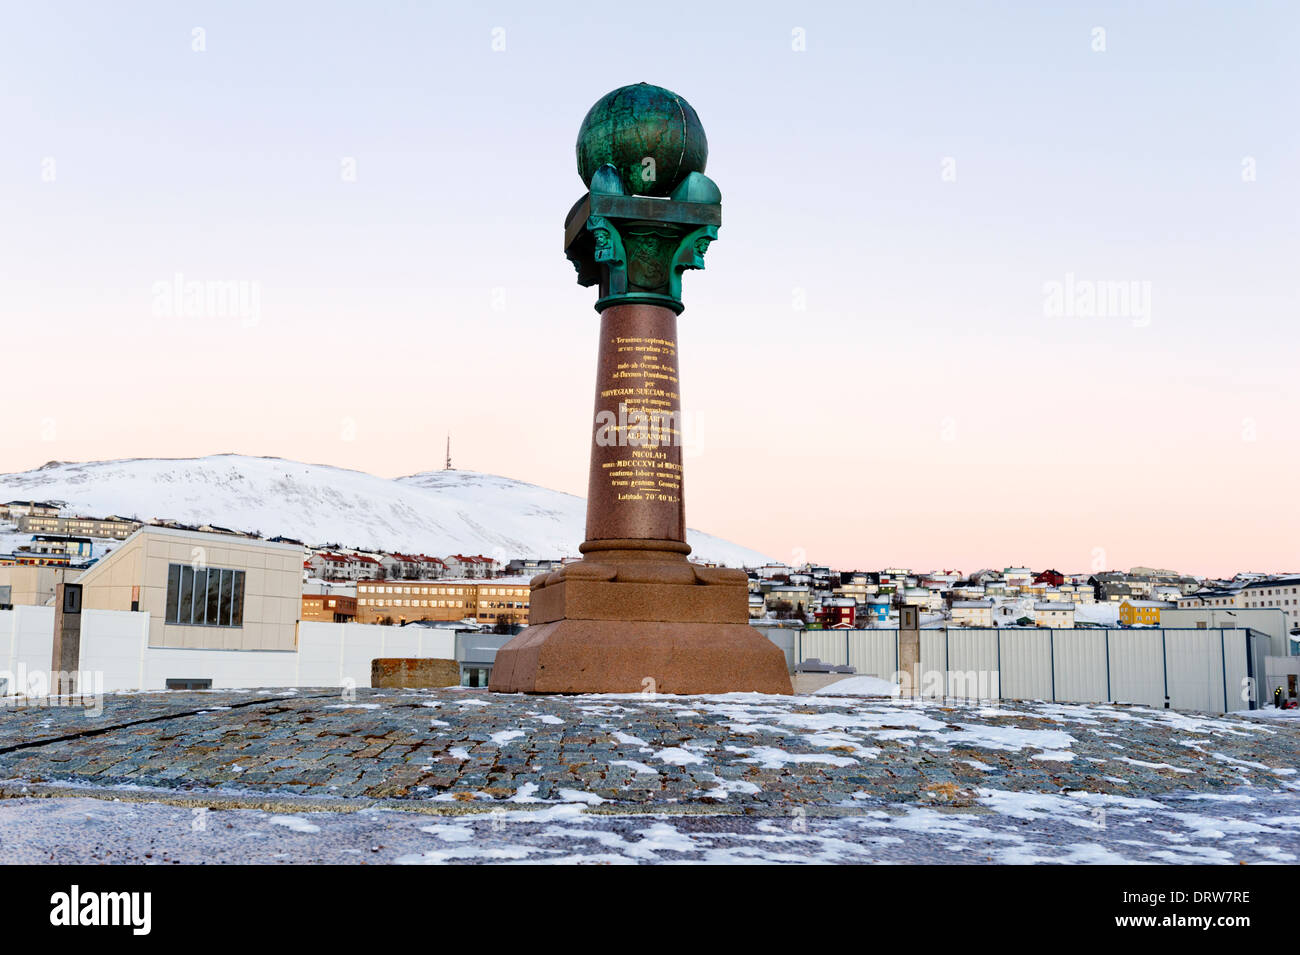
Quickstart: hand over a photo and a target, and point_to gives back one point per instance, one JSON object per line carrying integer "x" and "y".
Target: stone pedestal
{"x": 632, "y": 620}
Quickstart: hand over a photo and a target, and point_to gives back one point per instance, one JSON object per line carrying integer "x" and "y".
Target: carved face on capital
{"x": 700, "y": 246}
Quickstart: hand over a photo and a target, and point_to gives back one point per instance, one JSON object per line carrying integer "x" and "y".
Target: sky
{"x": 890, "y": 359}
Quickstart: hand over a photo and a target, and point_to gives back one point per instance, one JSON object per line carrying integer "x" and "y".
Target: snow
{"x": 676, "y": 756}
{"x": 578, "y": 795}
{"x": 296, "y": 823}
{"x": 859, "y": 686}
{"x": 1011, "y": 738}
{"x": 1270, "y": 713}
{"x": 635, "y": 766}
{"x": 449, "y": 833}
{"x": 437, "y": 512}
{"x": 773, "y": 757}
{"x": 1106, "y": 614}
{"x": 627, "y": 739}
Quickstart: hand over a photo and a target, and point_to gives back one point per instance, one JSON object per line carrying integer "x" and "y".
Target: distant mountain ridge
{"x": 434, "y": 512}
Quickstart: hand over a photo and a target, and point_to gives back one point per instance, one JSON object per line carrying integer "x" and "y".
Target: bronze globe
{"x": 651, "y": 135}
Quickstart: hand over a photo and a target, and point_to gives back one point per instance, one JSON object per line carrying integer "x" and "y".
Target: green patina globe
{"x": 651, "y": 135}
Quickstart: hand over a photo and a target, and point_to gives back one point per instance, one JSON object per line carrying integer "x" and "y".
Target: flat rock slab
{"x": 1174, "y": 785}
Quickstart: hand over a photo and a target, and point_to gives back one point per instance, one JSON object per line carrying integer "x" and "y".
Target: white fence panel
{"x": 934, "y": 663}
{"x": 113, "y": 644}
{"x": 320, "y": 654}
{"x": 1198, "y": 678}
{"x": 331, "y": 653}
{"x": 1237, "y": 648}
{"x": 972, "y": 665}
{"x": 1081, "y": 666}
{"x": 1027, "y": 664}
{"x": 26, "y": 645}
{"x": 874, "y": 652}
{"x": 1137, "y": 667}
{"x": 829, "y": 646}
{"x": 227, "y": 669}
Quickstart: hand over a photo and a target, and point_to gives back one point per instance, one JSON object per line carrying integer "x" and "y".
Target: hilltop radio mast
{"x": 448, "y": 466}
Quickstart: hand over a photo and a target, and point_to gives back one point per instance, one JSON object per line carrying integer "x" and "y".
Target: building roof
{"x": 183, "y": 533}
{"x": 1276, "y": 582}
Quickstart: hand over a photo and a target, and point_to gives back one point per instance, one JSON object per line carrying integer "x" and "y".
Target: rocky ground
{"x": 464, "y": 775}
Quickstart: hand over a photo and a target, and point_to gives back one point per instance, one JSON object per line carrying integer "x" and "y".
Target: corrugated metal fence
{"x": 1204, "y": 670}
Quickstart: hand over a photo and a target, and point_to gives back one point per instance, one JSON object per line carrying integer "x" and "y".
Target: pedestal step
{"x": 631, "y": 656}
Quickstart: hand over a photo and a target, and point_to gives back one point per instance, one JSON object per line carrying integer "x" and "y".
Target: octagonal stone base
{"x": 634, "y": 622}
{"x": 635, "y": 656}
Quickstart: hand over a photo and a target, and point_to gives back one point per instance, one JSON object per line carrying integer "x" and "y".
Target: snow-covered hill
{"x": 437, "y": 512}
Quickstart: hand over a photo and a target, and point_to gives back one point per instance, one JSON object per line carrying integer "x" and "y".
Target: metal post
{"x": 999, "y": 633}
{"x": 1051, "y": 656}
{"x": 1253, "y": 702}
{"x": 1110, "y": 697}
{"x": 947, "y": 665}
{"x": 1164, "y": 662}
{"x": 1223, "y": 663}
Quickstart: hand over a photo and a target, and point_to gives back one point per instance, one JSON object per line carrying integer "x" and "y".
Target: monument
{"x": 634, "y": 614}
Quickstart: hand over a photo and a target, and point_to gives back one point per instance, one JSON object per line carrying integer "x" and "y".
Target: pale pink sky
{"x": 872, "y": 372}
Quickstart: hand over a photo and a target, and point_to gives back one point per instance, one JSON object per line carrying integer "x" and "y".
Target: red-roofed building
{"x": 328, "y": 565}
{"x": 476, "y": 565}
{"x": 1053, "y": 578}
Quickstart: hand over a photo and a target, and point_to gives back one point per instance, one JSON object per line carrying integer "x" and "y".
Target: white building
{"x": 1054, "y": 614}
{"x": 202, "y": 591}
{"x": 972, "y": 613}
{"x": 1280, "y": 593}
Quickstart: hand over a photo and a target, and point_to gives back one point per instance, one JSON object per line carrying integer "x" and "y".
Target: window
{"x": 207, "y": 597}
{"x": 191, "y": 683}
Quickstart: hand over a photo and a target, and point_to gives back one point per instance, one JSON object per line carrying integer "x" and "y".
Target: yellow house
{"x": 1146, "y": 612}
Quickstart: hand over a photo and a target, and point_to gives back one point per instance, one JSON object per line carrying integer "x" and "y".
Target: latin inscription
{"x": 644, "y": 422}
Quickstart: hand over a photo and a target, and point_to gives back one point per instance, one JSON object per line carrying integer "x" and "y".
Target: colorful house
{"x": 878, "y": 609}
{"x": 1053, "y": 578}
{"x": 1141, "y": 612}
{"x": 838, "y": 613}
